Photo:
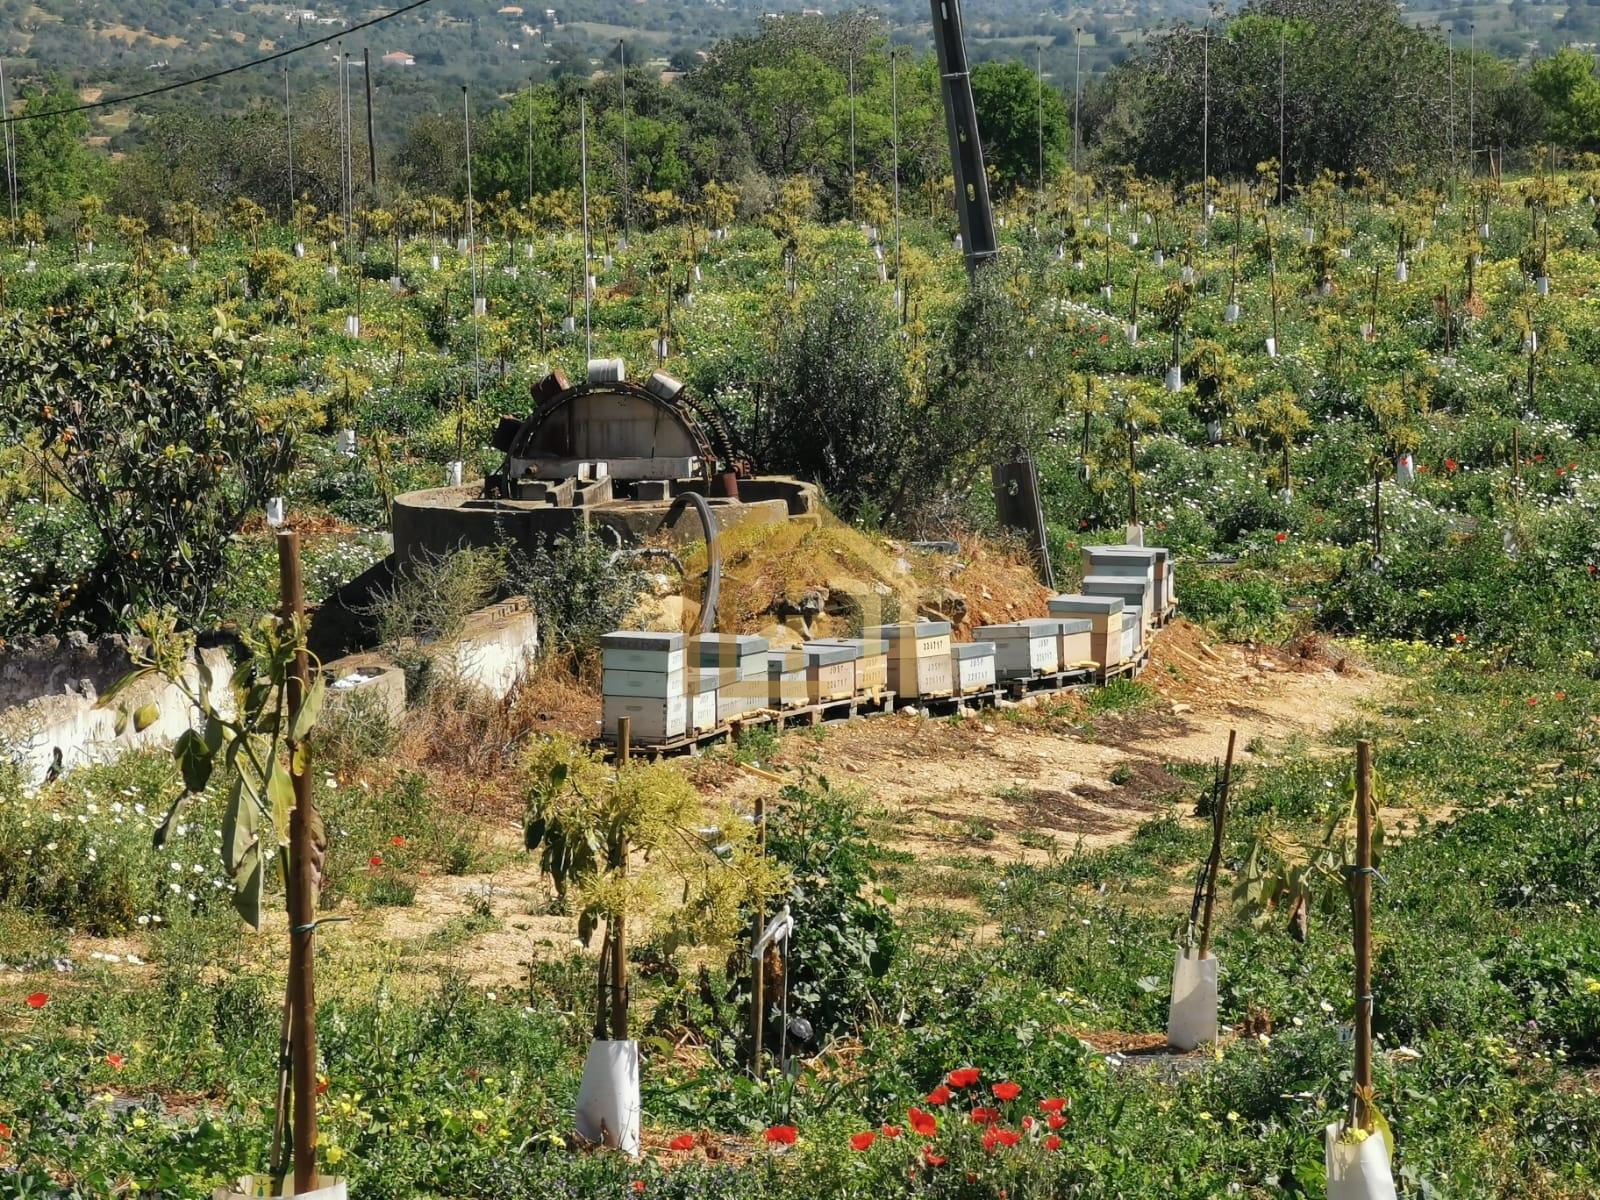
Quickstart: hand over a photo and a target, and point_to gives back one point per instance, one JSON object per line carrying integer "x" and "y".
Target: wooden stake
{"x": 619, "y": 925}
{"x": 758, "y": 974}
{"x": 1214, "y": 863}
{"x": 303, "y": 887}
{"x": 1361, "y": 904}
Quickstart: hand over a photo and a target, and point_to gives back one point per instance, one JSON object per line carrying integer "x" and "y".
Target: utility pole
{"x": 1472, "y": 99}
{"x": 1016, "y": 480}
{"x": 1038, "y": 70}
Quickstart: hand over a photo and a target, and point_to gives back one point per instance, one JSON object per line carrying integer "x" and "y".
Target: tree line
{"x": 1341, "y": 86}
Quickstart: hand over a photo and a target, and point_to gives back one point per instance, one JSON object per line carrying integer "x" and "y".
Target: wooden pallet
{"x": 1055, "y": 681}
{"x": 849, "y": 708}
{"x": 945, "y": 706}
{"x": 1130, "y": 669}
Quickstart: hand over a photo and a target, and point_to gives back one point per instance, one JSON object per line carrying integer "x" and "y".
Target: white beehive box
{"x": 1024, "y": 649}
{"x": 653, "y": 719}
{"x": 919, "y": 657}
{"x": 786, "y": 679}
{"x": 972, "y": 667}
{"x": 703, "y": 702}
{"x": 733, "y": 656}
{"x": 871, "y": 661}
{"x": 1135, "y": 593}
{"x": 629, "y": 651}
{"x": 830, "y": 671}
{"x": 1104, "y": 614}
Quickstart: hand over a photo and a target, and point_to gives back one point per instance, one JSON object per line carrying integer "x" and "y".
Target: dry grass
{"x": 771, "y": 572}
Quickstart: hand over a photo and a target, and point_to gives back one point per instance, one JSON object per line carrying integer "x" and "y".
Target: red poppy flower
{"x": 1052, "y": 1142}
{"x": 684, "y": 1141}
{"x": 962, "y": 1078}
{"x": 983, "y": 1115}
{"x": 322, "y": 1086}
{"x": 375, "y": 861}
{"x": 116, "y": 1061}
{"x": 782, "y": 1135}
{"x": 1561, "y": 696}
{"x": 1056, "y": 1121}
{"x": 923, "y": 1124}
{"x": 1593, "y": 568}
{"x": 932, "y": 1159}
{"x": 397, "y": 840}
{"x": 1538, "y": 458}
{"x": 1027, "y": 1122}
{"x": 1008, "y": 1137}
{"x": 863, "y": 1140}
{"x": 1460, "y": 637}
{"x": 638, "y": 1185}
{"x": 1007, "y": 1090}
{"x": 1053, "y": 1105}
{"x": 38, "y": 1000}
{"x": 5, "y": 1131}
{"x": 1572, "y": 466}
{"x": 991, "y": 1139}
{"x": 1560, "y": 472}
{"x": 939, "y": 1095}
{"x": 1532, "y": 700}
{"x": 1281, "y": 537}
{"x": 1449, "y": 464}
{"x": 890, "y": 1131}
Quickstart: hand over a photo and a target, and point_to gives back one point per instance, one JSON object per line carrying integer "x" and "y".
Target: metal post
{"x": 852, "y": 182}
{"x": 472, "y": 254}
{"x": 894, "y": 120}
{"x": 622, "y": 57}
{"x": 530, "y": 144}
{"x": 11, "y": 150}
{"x": 1283, "y": 55}
{"x": 372, "y": 141}
{"x": 1214, "y": 863}
{"x": 1205, "y": 126}
{"x": 302, "y": 886}
{"x": 1038, "y": 70}
{"x": 1361, "y": 904}
{"x": 583, "y": 156}
{"x": 288, "y": 133}
{"x": 1077, "y": 100}
{"x": 1472, "y": 102}
{"x": 973, "y": 208}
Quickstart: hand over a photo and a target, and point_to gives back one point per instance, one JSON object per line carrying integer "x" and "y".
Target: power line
{"x": 207, "y": 78}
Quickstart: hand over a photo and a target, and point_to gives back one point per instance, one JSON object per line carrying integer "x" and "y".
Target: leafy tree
{"x": 1566, "y": 84}
{"x": 840, "y": 402}
{"x": 149, "y": 429}
{"x": 54, "y": 163}
{"x": 1007, "y": 96}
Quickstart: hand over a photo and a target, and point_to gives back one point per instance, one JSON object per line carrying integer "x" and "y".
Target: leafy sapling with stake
{"x": 589, "y": 821}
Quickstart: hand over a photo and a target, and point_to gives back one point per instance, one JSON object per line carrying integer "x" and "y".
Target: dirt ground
{"x": 1013, "y": 784}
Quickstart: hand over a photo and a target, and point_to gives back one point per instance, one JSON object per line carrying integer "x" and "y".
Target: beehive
{"x": 703, "y": 715}
{"x": 919, "y": 657}
{"x": 972, "y": 667}
{"x": 1104, "y": 614}
{"x": 1077, "y": 644}
{"x": 644, "y": 680}
{"x": 786, "y": 679}
{"x": 871, "y": 662}
{"x": 830, "y": 671}
{"x": 1151, "y": 562}
{"x": 1134, "y": 592}
{"x": 1024, "y": 649}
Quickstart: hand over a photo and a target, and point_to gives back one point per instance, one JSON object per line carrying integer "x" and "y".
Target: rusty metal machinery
{"x": 609, "y": 427}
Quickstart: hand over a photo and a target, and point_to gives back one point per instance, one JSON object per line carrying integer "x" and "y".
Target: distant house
{"x": 510, "y": 10}
{"x": 398, "y": 58}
